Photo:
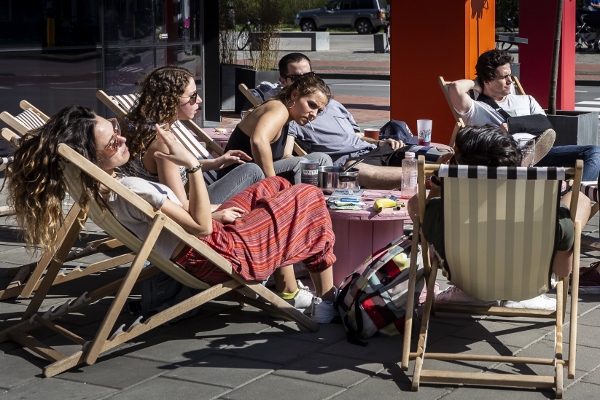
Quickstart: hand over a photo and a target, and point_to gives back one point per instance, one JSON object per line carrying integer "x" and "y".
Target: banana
{"x": 380, "y": 204}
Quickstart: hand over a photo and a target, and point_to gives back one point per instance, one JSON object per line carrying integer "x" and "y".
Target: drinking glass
{"x": 424, "y": 131}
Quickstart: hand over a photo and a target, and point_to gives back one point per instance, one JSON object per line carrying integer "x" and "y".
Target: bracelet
{"x": 195, "y": 169}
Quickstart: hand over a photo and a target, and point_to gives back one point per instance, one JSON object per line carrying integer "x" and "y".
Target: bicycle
{"x": 244, "y": 37}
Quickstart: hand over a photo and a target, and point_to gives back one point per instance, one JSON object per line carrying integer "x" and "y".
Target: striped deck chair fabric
{"x": 24, "y": 121}
{"x": 499, "y": 235}
{"x": 121, "y": 104}
{"x": 499, "y": 222}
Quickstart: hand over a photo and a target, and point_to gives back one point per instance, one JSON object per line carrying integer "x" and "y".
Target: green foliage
{"x": 508, "y": 9}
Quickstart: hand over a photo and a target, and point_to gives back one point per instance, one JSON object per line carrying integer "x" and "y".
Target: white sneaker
{"x": 323, "y": 311}
{"x": 541, "y": 302}
{"x": 454, "y": 295}
{"x": 303, "y": 299}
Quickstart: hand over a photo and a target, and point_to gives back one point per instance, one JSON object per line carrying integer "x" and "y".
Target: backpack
{"x": 373, "y": 298}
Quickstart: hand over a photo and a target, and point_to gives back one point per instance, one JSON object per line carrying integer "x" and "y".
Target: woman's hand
{"x": 177, "y": 154}
{"x": 228, "y": 215}
{"x": 231, "y": 157}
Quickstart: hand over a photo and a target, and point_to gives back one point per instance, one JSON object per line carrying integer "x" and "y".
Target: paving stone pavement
{"x": 227, "y": 352}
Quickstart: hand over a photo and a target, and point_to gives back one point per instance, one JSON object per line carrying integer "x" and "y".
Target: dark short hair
{"x": 489, "y": 61}
{"x": 289, "y": 59}
{"x": 486, "y": 145}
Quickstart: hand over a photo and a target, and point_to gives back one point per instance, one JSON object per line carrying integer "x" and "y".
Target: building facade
{"x": 55, "y": 53}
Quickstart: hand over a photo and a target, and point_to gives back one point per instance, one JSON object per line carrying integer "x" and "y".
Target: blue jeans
{"x": 241, "y": 177}
{"x": 565, "y": 156}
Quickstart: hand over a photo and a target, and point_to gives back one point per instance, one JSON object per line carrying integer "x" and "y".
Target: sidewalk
{"x": 238, "y": 354}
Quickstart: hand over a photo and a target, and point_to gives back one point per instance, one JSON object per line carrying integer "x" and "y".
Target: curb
{"x": 334, "y": 75}
{"x": 585, "y": 82}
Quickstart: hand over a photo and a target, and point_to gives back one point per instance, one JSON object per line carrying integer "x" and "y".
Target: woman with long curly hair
{"x": 169, "y": 94}
{"x": 267, "y": 225}
{"x": 263, "y": 131}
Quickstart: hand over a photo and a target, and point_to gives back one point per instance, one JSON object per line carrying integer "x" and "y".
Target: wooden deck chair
{"x": 499, "y": 231}
{"x": 590, "y": 189}
{"x": 299, "y": 151}
{"x": 248, "y": 94}
{"x": 27, "y": 120}
{"x": 121, "y": 104}
{"x": 27, "y": 278}
{"x": 107, "y": 337}
{"x": 457, "y": 117}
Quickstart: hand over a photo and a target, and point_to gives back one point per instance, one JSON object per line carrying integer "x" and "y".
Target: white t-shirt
{"x": 154, "y": 193}
{"x": 515, "y": 105}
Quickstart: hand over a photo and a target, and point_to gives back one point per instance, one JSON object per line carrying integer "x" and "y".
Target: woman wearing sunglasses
{"x": 169, "y": 94}
{"x": 263, "y": 131}
{"x": 279, "y": 224}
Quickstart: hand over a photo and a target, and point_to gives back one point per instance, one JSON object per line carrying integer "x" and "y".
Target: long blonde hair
{"x": 36, "y": 189}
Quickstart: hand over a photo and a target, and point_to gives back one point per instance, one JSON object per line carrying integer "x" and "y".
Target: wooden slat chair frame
{"x": 245, "y": 291}
{"x": 590, "y": 189}
{"x": 27, "y": 278}
{"x": 457, "y": 117}
{"x": 489, "y": 196}
{"x": 27, "y": 120}
{"x": 121, "y": 104}
{"x": 299, "y": 151}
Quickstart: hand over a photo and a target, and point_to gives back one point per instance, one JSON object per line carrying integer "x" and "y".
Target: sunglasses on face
{"x": 113, "y": 144}
{"x": 294, "y": 77}
{"x": 193, "y": 98}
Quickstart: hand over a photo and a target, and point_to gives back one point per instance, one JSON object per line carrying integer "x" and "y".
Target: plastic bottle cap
{"x": 409, "y": 154}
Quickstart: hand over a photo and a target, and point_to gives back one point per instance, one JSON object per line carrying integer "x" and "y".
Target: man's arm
{"x": 458, "y": 91}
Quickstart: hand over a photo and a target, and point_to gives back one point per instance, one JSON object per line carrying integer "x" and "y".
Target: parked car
{"x": 366, "y": 16}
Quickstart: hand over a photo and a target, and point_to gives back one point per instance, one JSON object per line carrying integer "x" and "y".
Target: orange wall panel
{"x": 429, "y": 40}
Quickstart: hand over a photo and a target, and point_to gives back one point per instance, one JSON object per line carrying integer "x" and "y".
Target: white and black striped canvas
{"x": 183, "y": 134}
{"x": 499, "y": 229}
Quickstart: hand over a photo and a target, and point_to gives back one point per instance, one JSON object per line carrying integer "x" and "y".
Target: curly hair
{"x": 489, "y": 61}
{"x": 305, "y": 85}
{"x": 486, "y": 145}
{"x": 158, "y": 102}
{"x": 36, "y": 189}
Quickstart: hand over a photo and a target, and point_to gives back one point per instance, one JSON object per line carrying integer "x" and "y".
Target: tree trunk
{"x": 555, "y": 58}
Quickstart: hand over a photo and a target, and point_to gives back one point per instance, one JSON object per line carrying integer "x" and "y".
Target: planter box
{"x": 228, "y": 86}
{"x": 575, "y": 127}
{"x": 251, "y": 78}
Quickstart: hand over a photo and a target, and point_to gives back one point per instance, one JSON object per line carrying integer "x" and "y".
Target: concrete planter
{"x": 228, "y": 86}
{"x": 575, "y": 127}
{"x": 251, "y": 78}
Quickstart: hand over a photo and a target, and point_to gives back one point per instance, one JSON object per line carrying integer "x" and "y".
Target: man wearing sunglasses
{"x": 337, "y": 134}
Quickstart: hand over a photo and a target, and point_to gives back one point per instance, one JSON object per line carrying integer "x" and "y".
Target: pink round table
{"x": 359, "y": 233}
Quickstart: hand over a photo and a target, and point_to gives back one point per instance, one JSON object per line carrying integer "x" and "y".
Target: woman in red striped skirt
{"x": 268, "y": 225}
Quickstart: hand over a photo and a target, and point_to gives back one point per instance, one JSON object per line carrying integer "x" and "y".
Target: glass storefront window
{"x": 147, "y": 21}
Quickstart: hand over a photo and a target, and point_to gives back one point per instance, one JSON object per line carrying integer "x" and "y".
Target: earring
{"x": 288, "y": 106}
